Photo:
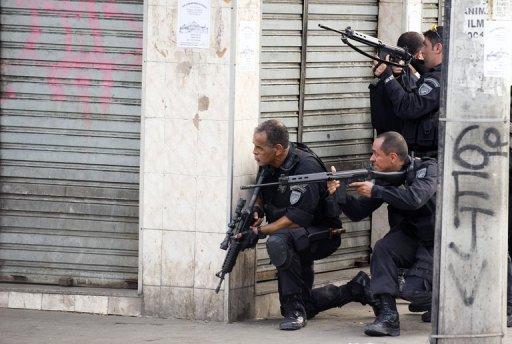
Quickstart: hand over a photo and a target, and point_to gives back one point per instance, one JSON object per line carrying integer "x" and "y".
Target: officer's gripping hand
{"x": 332, "y": 185}
{"x": 248, "y": 239}
{"x": 363, "y": 188}
{"x": 379, "y": 68}
{"x": 398, "y": 70}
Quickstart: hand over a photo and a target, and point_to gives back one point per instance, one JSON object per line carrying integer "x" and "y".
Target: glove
{"x": 249, "y": 240}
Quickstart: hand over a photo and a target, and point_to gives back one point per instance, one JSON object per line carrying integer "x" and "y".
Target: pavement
{"x": 340, "y": 326}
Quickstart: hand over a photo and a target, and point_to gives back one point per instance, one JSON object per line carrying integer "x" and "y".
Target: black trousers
{"x": 296, "y": 276}
{"x": 417, "y": 287}
{"x": 394, "y": 251}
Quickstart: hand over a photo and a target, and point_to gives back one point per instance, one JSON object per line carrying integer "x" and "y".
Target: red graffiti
{"x": 83, "y": 58}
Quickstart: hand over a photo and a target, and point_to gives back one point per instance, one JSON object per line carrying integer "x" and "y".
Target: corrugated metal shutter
{"x": 280, "y": 61}
{"x": 430, "y": 14}
{"x": 70, "y": 128}
{"x": 336, "y": 117}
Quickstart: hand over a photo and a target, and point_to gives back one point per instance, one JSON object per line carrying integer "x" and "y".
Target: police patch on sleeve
{"x": 421, "y": 173}
{"x": 424, "y": 89}
{"x": 296, "y": 194}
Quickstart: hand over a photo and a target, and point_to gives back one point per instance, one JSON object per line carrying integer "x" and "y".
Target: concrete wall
{"x": 199, "y": 111}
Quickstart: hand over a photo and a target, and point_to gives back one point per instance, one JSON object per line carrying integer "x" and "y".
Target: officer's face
{"x": 430, "y": 53}
{"x": 264, "y": 154}
{"x": 381, "y": 161}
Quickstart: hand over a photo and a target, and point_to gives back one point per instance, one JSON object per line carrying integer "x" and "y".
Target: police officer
{"x": 382, "y": 112}
{"x": 411, "y": 214}
{"x": 299, "y": 230}
{"x": 420, "y": 108}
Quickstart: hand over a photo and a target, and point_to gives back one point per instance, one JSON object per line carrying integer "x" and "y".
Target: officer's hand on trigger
{"x": 257, "y": 220}
{"x": 398, "y": 70}
{"x": 332, "y": 185}
{"x": 363, "y": 188}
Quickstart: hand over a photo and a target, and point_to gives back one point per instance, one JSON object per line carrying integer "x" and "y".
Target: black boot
{"x": 426, "y": 317}
{"x": 294, "y": 314}
{"x": 416, "y": 307}
{"x": 360, "y": 289}
{"x": 330, "y": 296}
{"x": 387, "y": 322}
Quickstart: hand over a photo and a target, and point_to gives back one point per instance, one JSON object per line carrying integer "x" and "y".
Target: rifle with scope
{"x": 240, "y": 223}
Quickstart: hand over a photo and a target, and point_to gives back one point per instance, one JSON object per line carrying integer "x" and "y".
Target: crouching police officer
{"x": 299, "y": 230}
{"x": 419, "y": 109}
{"x": 411, "y": 213}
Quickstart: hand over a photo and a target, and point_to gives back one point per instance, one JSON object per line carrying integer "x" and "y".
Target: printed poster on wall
{"x": 497, "y": 54}
{"x": 247, "y": 46}
{"x": 193, "y": 24}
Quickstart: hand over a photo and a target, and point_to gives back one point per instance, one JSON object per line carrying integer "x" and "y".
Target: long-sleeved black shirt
{"x": 419, "y": 109}
{"x": 303, "y": 204}
{"x": 411, "y": 206}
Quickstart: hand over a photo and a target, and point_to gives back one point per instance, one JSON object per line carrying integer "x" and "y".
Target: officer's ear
{"x": 394, "y": 157}
{"x": 438, "y": 48}
{"x": 279, "y": 149}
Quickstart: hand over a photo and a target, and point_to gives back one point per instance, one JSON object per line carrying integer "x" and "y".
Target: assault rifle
{"x": 240, "y": 223}
{"x": 359, "y": 174}
{"x": 395, "y": 53}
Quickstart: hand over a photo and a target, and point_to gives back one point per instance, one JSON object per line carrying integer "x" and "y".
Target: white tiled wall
{"x": 194, "y": 116}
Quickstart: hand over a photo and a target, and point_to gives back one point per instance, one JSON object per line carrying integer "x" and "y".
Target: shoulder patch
{"x": 424, "y": 89}
{"x": 296, "y": 193}
{"x": 421, "y": 173}
{"x": 432, "y": 81}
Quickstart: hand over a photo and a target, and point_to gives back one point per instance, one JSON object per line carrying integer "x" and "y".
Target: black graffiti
{"x": 459, "y": 194}
{"x": 468, "y": 297}
{"x": 475, "y": 158}
{"x": 492, "y": 139}
{"x": 474, "y": 213}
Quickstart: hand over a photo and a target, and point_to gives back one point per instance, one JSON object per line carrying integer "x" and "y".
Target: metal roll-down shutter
{"x": 319, "y": 88}
{"x": 432, "y": 13}
{"x": 70, "y": 135}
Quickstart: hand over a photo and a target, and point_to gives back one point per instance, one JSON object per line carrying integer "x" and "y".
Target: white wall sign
{"x": 497, "y": 49}
{"x": 193, "y": 24}
{"x": 248, "y": 38}
{"x": 474, "y": 21}
{"x": 502, "y": 10}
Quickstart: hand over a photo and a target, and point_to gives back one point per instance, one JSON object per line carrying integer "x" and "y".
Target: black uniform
{"x": 411, "y": 213}
{"x": 382, "y": 112}
{"x": 290, "y": 249}
{"x": 419, "y": 109}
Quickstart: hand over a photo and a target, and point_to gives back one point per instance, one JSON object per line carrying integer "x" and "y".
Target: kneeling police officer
{"x": 409, "y": 243}
{"x": 295, "y": 215}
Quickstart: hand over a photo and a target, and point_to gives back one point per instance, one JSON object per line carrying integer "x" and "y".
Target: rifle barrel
{"x": 325, "y": 176}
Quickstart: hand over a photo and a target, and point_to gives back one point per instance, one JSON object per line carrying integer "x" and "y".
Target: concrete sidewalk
{"x": 340, "y": 326}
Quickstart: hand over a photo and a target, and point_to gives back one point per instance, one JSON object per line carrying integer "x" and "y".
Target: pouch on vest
{"x": 427, "y": 132}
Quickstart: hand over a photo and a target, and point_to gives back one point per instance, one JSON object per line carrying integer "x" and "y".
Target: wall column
{"x": 199, "y": 110}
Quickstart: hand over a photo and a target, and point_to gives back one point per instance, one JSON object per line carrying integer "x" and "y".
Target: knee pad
{"x": 277, "y": 250}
